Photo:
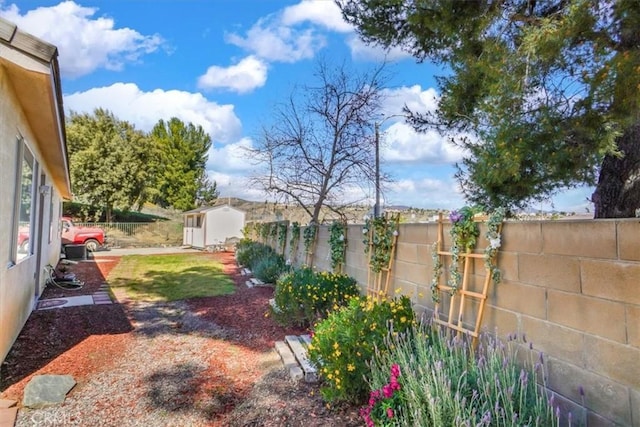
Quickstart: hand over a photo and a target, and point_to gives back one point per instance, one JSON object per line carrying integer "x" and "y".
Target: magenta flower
{"x": 395, "y": 370}
{"x": 387, "y": 391}
{"x": 389, "y": 413}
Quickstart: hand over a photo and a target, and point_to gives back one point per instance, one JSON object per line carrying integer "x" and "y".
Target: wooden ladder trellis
{"x": 375, "y": 279}
{"x": 460, "y": 296}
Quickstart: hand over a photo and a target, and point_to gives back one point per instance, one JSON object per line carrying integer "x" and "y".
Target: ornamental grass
{"x": 444, "y": 383}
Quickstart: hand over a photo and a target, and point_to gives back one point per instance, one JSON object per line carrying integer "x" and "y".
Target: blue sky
{"x": 224, "y": 64}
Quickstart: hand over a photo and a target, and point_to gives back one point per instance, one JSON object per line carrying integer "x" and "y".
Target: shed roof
{"x": 32, "y": 67}
{"x": 203, "y": 209}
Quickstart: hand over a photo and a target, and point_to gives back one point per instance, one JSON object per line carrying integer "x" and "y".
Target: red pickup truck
{"x": 92, "y": 237}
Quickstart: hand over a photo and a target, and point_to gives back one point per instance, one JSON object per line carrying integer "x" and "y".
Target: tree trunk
{"x": 617, "y": 194}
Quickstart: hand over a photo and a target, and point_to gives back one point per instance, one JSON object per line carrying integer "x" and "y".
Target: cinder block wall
{"x": 571, "y": 288}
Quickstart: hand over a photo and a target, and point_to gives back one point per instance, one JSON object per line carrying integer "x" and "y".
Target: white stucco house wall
{"x": 34, "y": 173}
{"x": 211, "y": 226}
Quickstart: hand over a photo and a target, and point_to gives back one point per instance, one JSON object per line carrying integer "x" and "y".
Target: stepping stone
{"x": 289, "y": 361}
{"x": 8, "y": 416}
{"x": 300, "y": 352}
{"x": 47, "y": 390}
{"x": 7, "y": 403}
{"x": 272, "y": 303}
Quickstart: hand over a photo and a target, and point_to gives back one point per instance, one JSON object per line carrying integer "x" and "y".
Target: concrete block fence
{"x": 571, "y": 288}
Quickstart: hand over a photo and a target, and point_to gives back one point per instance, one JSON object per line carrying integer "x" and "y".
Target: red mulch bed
{"x": 80, "y": 341}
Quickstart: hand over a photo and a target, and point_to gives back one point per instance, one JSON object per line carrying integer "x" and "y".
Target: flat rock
{"x": 47, "y": 390}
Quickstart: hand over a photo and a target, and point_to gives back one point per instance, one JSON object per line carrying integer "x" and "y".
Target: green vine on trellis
{"x": 282, "y": 235}
{"x": 265, "y": 231}
{"x": 338, "y": 244}
{"x": 464, "y": 235}
{"x": 273, "y": 231}
{"x": 379, "y": 238}
{"x": 309, "y": 236}
{"x": 295, "y": 239}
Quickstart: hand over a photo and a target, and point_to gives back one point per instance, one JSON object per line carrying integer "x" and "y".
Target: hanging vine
{"x": 464, "y": 236}
{"x": 379, "y": 233}
{"x": 495, "y": 241}
{"x": 437, "y": 272}
{"x": 264, "y": 231}
{"x": 310, "y": 232}
{"x": 282, "y": 235}
{"x": 338, "y": 244}
{"x": 294, "y": 241}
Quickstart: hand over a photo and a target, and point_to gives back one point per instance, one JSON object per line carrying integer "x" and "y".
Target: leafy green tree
{"x": 182, "y": 180}
{"x": 109, "y": 161}
{"x": 549, "y": 91}
{"x": 321, "y": 143}
{"x": 207, "y": 192}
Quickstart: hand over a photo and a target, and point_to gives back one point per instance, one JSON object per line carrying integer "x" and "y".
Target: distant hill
{"x": 269, "y": 211}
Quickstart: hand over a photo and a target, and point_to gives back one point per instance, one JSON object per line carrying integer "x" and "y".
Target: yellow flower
{"x": 351, "y": 367}
{"x": 398, "y": 290}
{"x": 403, "y": 319}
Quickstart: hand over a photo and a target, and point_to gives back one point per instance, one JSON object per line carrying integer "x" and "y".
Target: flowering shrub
{"x": 347, "y": 339}
{"x": 384, "y": 402}
{"x": 305, "y": 296}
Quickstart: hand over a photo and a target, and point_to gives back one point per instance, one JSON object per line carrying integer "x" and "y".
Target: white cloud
{"x": 231, "y": 157}
{"x": 244, "y": 77}
{"x": 144, "y": 109}
{"x": 85, "y": 43}
{"x": 400, "y": 143}
{"x": 236, "y": 185}
{"x": 278, "y": 43}
{"x": 364, "y": 52}
{"x": 324, "y": 13}
{"x": 403, "y": 144}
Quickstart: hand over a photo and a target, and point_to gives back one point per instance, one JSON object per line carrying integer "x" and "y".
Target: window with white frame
{"x": 24, "y": 203}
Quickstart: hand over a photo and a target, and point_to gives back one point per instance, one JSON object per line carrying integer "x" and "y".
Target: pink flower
{"x": 387, "y": 391}
{"x": 395, "y": 370}
{"x": 389, "y": 413}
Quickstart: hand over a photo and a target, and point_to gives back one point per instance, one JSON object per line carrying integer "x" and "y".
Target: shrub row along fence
{"x": 140, "y": 234}
{"x": 569, "y": 294}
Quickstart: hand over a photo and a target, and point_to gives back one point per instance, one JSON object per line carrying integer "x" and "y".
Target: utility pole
{"x": 376, "y": 207}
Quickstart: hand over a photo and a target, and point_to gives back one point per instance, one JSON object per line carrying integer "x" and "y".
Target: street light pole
{"x": 376, "y": 207}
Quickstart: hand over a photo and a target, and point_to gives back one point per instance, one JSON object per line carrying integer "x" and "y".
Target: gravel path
{"x": 156, "y": 381}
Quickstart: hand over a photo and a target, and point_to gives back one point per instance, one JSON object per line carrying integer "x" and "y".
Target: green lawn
{"x": 170, "y": 277}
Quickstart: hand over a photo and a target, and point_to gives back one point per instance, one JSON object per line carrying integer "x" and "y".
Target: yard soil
{"x": 242, "y": 382}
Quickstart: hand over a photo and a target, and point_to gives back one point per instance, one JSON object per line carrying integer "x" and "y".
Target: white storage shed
{"x": 212, "y": 226}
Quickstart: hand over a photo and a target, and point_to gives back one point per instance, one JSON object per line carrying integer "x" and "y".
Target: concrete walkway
{"x": 145, "y": 251}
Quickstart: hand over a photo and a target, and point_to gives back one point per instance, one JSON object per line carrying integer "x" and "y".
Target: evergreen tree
{"x": 182, "y": 171}
{"x": 108, "y": 160}
{"x": 549, "y": 91}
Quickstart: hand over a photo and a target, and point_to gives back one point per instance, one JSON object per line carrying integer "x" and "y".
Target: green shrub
{"x": 444, "y": 383}
{"x": 346, "y": 340}
{"x": 269, "y": 267}
{"x": 305, "y": 296}
{"x": 249, "y": 253}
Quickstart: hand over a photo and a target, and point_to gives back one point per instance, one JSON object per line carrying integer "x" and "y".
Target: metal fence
{"x": 140, "y": 234}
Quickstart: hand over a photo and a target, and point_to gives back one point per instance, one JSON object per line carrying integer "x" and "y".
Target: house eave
{"x": 32, "y": 67}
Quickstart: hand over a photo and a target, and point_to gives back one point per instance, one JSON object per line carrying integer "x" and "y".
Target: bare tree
{"x": 321, "y": 143}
